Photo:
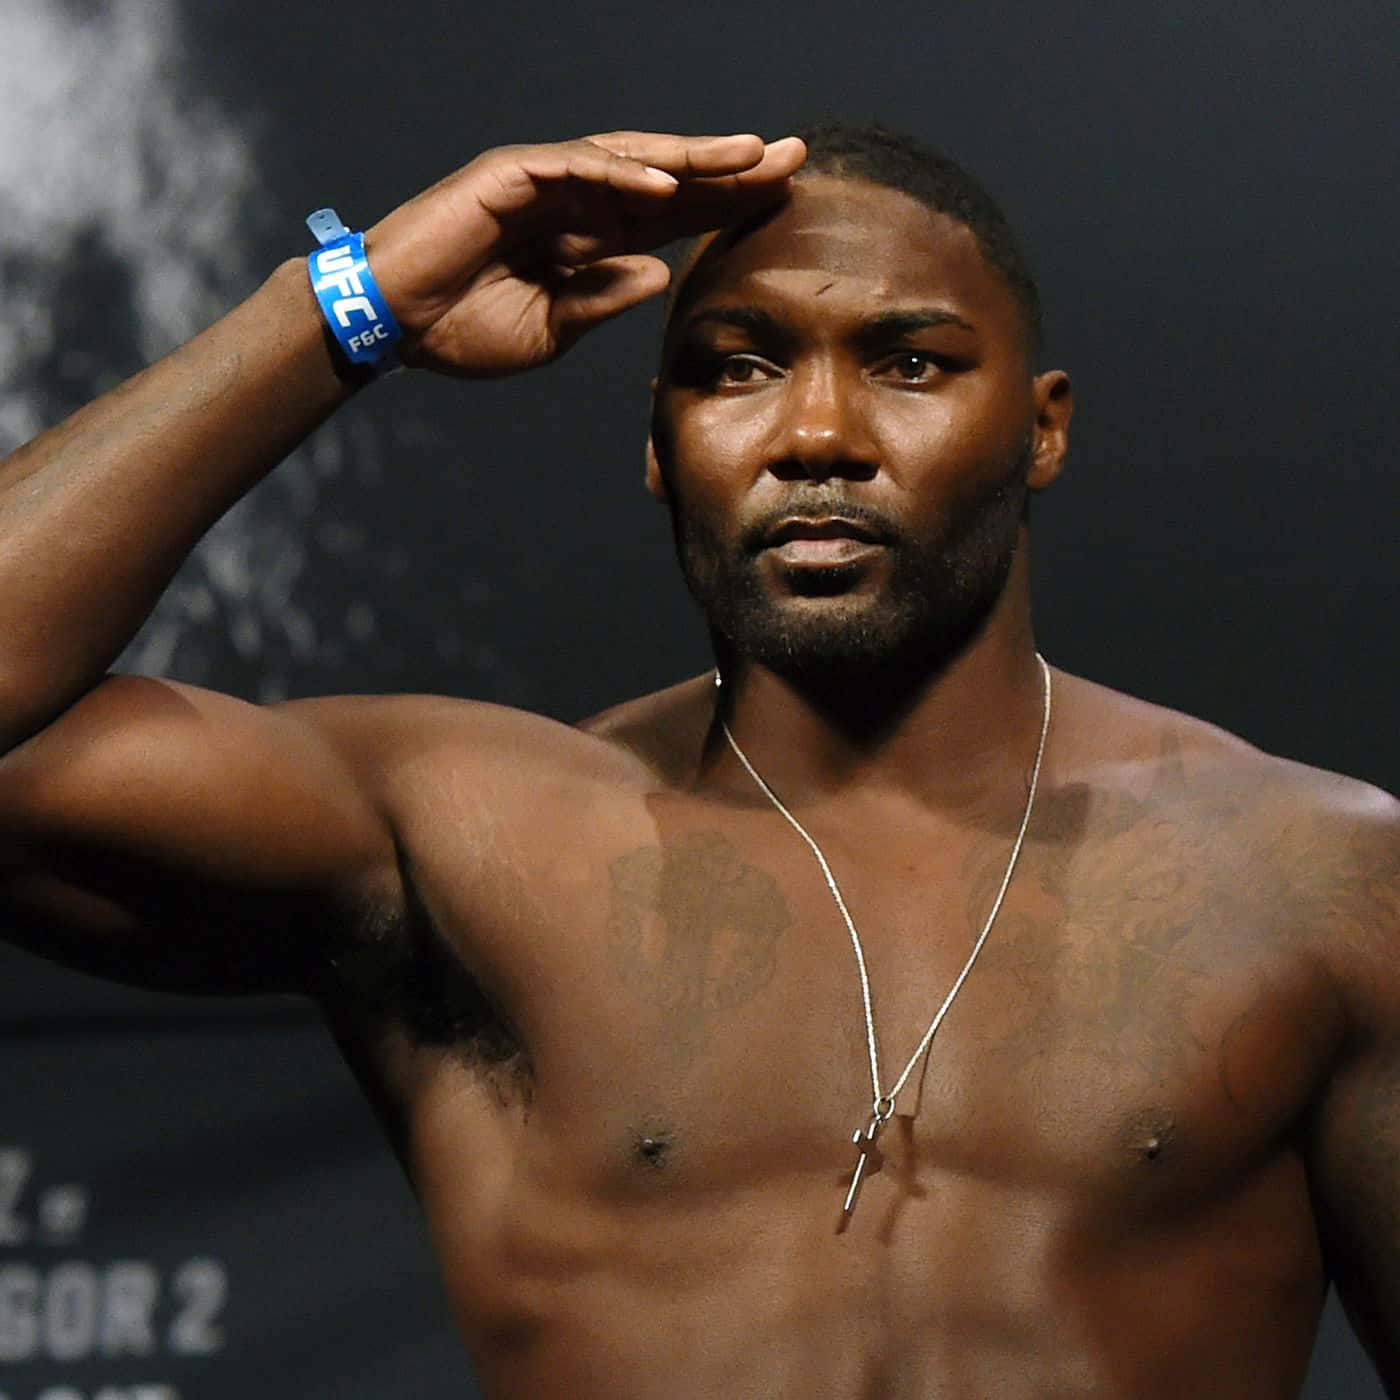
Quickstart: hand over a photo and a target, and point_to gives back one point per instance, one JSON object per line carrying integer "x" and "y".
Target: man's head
{"x": 847, "y": 421}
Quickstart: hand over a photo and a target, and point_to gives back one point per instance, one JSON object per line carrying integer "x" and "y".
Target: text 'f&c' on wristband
{"x": 356, "y": 312}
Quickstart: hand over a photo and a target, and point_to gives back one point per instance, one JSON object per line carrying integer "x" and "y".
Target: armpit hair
{"x": 396, "y": 973}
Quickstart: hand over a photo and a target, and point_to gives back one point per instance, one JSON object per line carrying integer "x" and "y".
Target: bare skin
{"x": 596, "y": 987}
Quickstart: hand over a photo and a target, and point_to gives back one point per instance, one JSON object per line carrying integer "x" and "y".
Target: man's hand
{"x": 506, "y": 263}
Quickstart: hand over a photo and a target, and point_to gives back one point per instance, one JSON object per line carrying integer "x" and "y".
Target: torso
{"x": 620, "y": 1045}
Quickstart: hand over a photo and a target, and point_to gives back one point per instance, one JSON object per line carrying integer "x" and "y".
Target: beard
{"x": 824, "y": 633}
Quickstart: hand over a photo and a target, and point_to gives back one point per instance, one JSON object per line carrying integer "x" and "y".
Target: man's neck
{"x": 962, "y": 726}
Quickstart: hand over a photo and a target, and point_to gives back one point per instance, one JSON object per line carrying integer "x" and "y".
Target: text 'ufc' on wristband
{"x": 356, "y": 312}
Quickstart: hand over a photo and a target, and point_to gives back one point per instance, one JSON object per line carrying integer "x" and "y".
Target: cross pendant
{"x": 868, "y": 1151}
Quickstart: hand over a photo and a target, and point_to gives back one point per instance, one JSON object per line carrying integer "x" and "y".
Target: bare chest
{"x": 1137, "y": 1029}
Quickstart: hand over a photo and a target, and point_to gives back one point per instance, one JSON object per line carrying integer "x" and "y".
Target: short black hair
{"x": 875, "y": 153}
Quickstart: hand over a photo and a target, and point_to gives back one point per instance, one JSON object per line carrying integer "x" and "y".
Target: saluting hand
{"x": 504, "y": 264}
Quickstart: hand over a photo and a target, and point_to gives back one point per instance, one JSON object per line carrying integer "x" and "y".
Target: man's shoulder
{"x": 1197, "y": 757}
{"x": 1329, "y": 844}
{"x": 664, "y": 731}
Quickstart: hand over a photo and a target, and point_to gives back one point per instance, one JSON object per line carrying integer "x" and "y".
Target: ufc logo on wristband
{"x": 350, "y": 300}
{"x": 336, "y": 269}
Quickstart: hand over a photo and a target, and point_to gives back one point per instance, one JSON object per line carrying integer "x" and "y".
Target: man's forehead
{"x": 864, "y": 238}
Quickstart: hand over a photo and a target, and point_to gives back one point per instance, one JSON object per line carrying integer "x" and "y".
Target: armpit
{"x": 396, "y": 974}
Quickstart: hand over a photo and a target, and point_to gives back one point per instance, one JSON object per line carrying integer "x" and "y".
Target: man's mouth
{"x": 821, "y": 541}
{"x": 819, "y": 527}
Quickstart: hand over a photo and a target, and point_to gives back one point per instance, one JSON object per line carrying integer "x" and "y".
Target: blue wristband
{"x": 355, "y": 311}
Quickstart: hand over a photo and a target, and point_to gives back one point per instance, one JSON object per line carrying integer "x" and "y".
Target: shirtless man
{"x": 597, "y": 983}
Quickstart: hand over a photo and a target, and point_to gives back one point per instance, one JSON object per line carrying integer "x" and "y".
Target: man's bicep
{"x": 173, "y": 837}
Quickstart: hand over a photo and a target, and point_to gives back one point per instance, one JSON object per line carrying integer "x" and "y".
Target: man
{"x": 896, "y": 1018}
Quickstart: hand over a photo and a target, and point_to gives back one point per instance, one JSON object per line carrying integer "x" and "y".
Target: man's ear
{"x": 1054, "y": 405}
{"x": 656, "y": 483}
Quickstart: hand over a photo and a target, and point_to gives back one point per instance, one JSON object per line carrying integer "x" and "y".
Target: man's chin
{"x": 821, "y": 637}
{"x": 837, "y": 642}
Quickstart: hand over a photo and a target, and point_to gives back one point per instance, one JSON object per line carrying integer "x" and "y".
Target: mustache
{"x": 824, "y": 505}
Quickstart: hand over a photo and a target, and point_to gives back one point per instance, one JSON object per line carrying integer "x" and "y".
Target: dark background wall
{"x": 1206, "y": 195}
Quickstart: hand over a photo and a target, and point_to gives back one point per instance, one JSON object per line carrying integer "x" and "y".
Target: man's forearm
{"x": 98, "y": 513}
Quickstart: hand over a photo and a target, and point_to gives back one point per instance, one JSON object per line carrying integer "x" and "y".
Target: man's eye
{"x": 912, "y": 366}
{"x": 742, "y": 369}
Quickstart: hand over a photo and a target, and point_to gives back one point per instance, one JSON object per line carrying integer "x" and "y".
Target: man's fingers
{"x": 639, "y": 164}
{"x": 749, "y": 159}
{"x": 780, "y": 159}
{"x": 703, "y": 202}
{"x": 511, "y": 179}
{"x": 684, "y": 156}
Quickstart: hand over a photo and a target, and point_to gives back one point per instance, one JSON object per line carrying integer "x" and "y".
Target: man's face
{"x": 843, "y": 427}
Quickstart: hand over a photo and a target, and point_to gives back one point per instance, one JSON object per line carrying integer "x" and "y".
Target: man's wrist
{"x": 305, "y": 335}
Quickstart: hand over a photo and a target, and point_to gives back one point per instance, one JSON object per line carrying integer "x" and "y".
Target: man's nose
{"x": 823, "y": 431}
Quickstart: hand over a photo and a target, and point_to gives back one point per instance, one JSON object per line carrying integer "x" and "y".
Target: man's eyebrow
{"x": 887, "y": 325}
{"x": 746, "y": 318}
{"x": 890, "y": 325}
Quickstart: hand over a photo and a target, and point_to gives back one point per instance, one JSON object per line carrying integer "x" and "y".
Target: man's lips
{"x": 819, "y": 527}
{"x": 820, "y": 541}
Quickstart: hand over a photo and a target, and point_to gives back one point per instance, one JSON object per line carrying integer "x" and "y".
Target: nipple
{"x": 1148, "y": 1136}
{"x": 651, "y": 1151}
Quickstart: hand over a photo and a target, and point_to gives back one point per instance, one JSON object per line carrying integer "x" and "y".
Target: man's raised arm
{"x": 495, "y": 269}
{"x": 127, "y": 803}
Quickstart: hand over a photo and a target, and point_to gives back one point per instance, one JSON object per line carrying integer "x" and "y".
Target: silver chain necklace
{"x": 882, "y": 1102}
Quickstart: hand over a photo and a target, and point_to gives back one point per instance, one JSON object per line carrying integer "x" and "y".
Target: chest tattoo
{"x": 692, "y": 928}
